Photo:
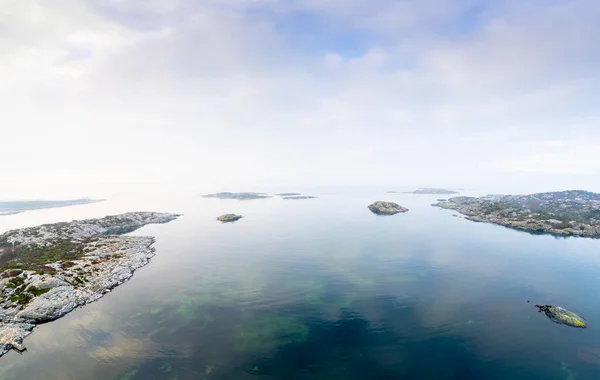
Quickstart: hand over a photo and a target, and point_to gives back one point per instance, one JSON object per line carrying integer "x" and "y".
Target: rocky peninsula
{"x": 49, "y": 270}
{"x": 386, "y": 208}
{"x": 15, "y": 207}
{"x": 563, "y": 213}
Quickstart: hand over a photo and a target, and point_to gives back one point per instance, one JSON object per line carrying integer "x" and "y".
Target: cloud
{"x": 299, "y": 92}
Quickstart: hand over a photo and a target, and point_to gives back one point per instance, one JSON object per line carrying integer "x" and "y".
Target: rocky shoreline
{"x": 569, "y": 213}
{"x": 93, "y": 258}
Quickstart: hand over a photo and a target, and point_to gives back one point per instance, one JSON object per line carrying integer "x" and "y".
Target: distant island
{"x": 563, "y": 213}
{"x": 16, "y": 207}
{"x": 226, "y": 218}
{"x": 432, "y": 191}
{"x": 49, "y": 270}
{"x": 386, "y": 208}
{"x": 299, "y": 197}
{"x": 239, "y": 196}
{"x": 288, "y": 194}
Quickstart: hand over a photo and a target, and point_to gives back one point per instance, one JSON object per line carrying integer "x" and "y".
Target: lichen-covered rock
{"x": 563, "y": 316}
{"x": 229, "y": 218}
{"x": 386, "y": 208}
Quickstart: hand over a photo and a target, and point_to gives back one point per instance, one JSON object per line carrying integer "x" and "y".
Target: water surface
{"x": 324, "y": 289}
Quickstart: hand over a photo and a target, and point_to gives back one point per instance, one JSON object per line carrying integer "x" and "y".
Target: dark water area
{"x": 324, "y": 289}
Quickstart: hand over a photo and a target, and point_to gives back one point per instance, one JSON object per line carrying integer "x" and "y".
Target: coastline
{"x": 32, "y": 296}
{"x": 557, "y": 224}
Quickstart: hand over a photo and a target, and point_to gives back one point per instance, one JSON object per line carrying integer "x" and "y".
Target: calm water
{"x": 324, "y": 289}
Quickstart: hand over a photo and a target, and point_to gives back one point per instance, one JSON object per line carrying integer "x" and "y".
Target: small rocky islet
{"x": 49, "y": 270}
{"x": 386, "y": 208}
{"x": 228, "y": 218}
{"x": 432, "y": 191}
{"x": 243, "y": 196}
{"x": 295, "y": 196}
{"x": 562, "y": 316}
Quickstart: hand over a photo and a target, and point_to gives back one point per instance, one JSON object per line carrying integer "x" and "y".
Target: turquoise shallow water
{"x": 324, "y": 289}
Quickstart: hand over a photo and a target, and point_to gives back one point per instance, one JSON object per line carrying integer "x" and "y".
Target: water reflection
{"x": 333, "y": 293}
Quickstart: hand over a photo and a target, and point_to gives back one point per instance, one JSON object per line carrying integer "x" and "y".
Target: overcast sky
{"x": 97, "y": 95}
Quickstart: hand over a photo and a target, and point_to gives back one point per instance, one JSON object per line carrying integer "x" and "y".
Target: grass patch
{"x": 21, "y": 298}
{"x": 34, "y": 257}
{"x": 37, "y": 292}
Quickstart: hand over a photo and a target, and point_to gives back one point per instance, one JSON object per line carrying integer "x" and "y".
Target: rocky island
{"x": 563, "y": 213}
{"x": 386, "y": 208}
{"x": 432, "y": 191}
{"x": 15, "y": 207}
{"x": 295, "y": 196}
{"x": 49, "y": 270}
{"x": 226, "y": 218}
{"x": 239, "y": 196}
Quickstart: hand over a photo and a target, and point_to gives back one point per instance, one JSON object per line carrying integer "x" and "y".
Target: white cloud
{"x": 218, "y": 93}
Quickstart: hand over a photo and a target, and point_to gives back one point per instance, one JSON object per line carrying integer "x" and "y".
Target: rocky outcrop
{"x": 44, "y": 291}
{"x": 570, "y": 213}
{"x": 226, "y": 218}
{"x": 386, "y": 208}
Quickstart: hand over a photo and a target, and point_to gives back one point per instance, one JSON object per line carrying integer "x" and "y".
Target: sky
{"x": 98, "y": 96}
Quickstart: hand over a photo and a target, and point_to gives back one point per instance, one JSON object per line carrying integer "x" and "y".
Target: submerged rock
{"x": 229, "y": 218}
{"x": 386, "y": 208}
{"x": 563, "y": 316}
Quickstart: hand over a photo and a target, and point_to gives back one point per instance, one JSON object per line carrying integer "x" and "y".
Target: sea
{"x": 324, "y": 289}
